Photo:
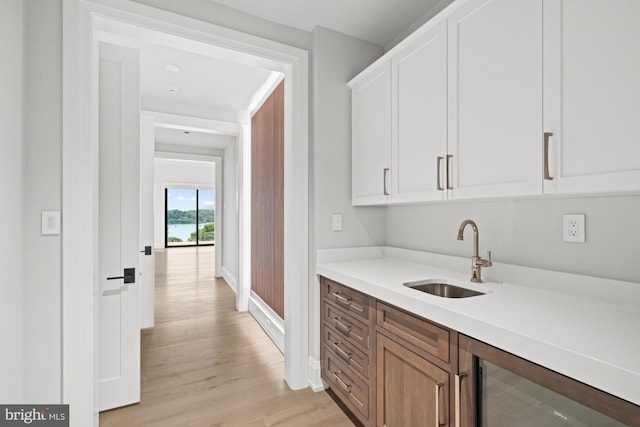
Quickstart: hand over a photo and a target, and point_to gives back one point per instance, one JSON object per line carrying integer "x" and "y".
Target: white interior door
{"x": 119, "y": 226}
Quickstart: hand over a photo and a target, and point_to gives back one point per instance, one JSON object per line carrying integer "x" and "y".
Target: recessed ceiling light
{"x": 172, "y": 67}
{"x": 186, "y": 132}
{"x": 173, "y": 89}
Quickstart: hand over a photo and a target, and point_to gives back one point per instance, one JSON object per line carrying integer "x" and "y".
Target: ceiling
{"x": 203, "y": 86}
{"x": 188, "y": 79}
{"x": 377, "y": 21}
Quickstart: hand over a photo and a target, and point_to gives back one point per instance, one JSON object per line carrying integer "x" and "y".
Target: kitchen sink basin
{"x": 442, "y": 289}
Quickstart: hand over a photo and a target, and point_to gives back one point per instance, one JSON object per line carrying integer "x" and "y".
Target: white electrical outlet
{"x": 573, "y": 228}
{"x": 337, "y": 222}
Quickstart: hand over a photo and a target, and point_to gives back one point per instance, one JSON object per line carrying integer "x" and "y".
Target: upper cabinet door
{"x": 592, "y": 94}
{"x": 371, "y": 132}
{"x": 495, "y": 98}
{"x": 419, "y": 76}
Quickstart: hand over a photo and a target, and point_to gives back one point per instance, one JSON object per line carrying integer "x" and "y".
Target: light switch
{"x": 50, "y": 223}
{"x": 337, "y": 222}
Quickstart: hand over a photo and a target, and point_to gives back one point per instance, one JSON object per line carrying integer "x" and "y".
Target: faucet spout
{"x": 474, "y": 227}
{"x": 476, "y": 261}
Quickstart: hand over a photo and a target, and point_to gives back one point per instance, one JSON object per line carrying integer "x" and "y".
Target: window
{"x": 189, "y": 217}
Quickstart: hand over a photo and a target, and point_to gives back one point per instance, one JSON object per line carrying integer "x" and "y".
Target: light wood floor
{"x": 205, "y": 364}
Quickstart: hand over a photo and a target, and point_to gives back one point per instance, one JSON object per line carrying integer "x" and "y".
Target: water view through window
{"x": 190, "y": 217}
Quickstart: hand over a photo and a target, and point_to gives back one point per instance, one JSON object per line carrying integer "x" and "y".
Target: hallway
{"x": 205, "y": 364}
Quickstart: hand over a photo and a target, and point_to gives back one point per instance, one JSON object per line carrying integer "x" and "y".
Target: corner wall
{"x": 336, "y": 58}
{"x": 229, "y": 17}
{"x": 12, "y": 173}
{"x": 43, "y": 192}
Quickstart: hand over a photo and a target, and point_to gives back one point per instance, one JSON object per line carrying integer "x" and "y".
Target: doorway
{"x": 79, "y": 148}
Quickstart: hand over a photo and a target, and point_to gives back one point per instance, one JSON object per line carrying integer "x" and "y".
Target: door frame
{"x": 79, "y": 178}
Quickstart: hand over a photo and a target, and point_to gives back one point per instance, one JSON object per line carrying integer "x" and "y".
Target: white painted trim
{"x": 230, "y": 279}
{"x": 79, "y": 379}
{"x": 193, "y": 124}
{"x": 170, "y": 155}
{"x": 296, "y": 225}
{"x": 79, "y": 156}
{"x": 315, "y": 379}
{"x": 218, "y": 218}
{"x": 268, "y": 320}
{"x": 244, "y": 210}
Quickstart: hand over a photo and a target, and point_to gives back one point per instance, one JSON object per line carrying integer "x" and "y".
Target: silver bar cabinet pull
{"x": 439, "y": 160}
{"x": 547, "y": 135}
{"x": 449, "y": 181}
{"x": 440, "y": 420}
{"x": 385, "y": 172}
{"x": 458, "y": 385}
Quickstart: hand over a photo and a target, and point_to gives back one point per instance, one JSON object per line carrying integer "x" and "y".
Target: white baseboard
{"x": 315, "y": 380}
{"x": 230, "y": 279}
{"x": 268, "y": 319}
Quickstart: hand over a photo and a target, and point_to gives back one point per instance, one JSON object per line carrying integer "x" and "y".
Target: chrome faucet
{"x": 476, "y": 262}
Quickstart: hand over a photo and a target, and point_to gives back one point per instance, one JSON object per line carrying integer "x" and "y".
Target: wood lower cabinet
{"x": 348, "y": 349}
{"x": 391, "y": 368}
{"x": 411, "y": 390}
{"x": 387, "y": 366}
{"x": 414, "y": 367}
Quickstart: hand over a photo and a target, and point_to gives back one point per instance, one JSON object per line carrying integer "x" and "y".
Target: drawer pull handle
{"x": 340, "y": 351}
{"x": 440, "y": 414}
{"x": 344, "y": 328}
{"x": 340, "y": 298}
{"x": 346, "y": 301}
{"x": 344, "y": 385}
{"x": 353, "y": 396}
{"x": 458, "y": 397}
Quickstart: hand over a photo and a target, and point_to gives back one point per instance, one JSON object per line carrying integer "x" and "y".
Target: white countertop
{"x": 583, "y": 327}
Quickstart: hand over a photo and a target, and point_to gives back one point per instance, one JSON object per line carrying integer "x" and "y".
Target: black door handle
{"x": 129, "y": 276}
{"x": 147, "y": 250}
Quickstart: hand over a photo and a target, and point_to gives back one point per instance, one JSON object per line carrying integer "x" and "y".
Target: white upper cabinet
{"x": 371, "y": 135}
{"x": 495, "y": 98}
{"x": 500, "y": 98}
{"x": 419, "y": 125}
{"x": 592, "y": 95}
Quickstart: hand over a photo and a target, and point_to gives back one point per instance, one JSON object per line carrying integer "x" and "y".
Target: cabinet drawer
{"x": 346, "y": 384}
{"x": 346, "y": 298}
{"x": 347, "y": 326}
{"x": 427, "y": 336}
{"x": 345, "y": 350}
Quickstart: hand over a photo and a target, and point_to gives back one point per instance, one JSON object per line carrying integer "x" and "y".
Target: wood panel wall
{"x": 267, "y": 201}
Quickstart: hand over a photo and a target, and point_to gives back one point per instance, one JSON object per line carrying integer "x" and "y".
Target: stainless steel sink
{"x": 442, "y": 289}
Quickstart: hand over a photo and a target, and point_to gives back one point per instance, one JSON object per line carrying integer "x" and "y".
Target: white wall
{"x": 43, "y": 191}
{"x": 230, "y": 212}
{"x": 31, "y": 114}
{"x": 225, "y": 16}
{"x": 12, "y": 174}
{"x": 529, "y": 232}
{"x": 178, "y": 173}
{"x": 335, "y": 60}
